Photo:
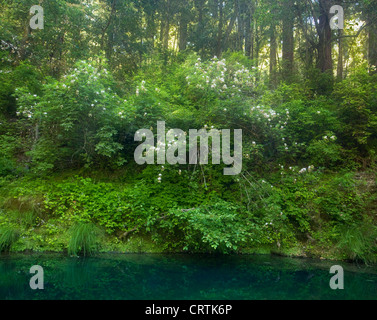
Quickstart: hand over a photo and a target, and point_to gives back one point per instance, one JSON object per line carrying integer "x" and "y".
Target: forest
{"x": 298, "y": 78}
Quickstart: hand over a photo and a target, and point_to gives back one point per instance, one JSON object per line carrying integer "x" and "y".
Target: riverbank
{"x": 139, "y": 244}
{"x": 320, "y": 215}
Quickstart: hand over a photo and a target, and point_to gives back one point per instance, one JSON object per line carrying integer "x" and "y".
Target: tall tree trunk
{"x": 151, "y": 26}
{"x": 164, "y": 23}
{"x": 183, "y": 33}
{"x": 222, "y": 39}
{"x": 220, "y": 29}
{"x": 253, "y": 39}
{"x": 339, "y": 72}
{"x": 256, "y": 51}
{"x": 241, "y": 11}
{"x": 273, "y": 54}
{"x": 248, "y": 30}
{"x": 372, "y": 42}
{"x": 162, "y": 29}
{"x": 228, "y": 31}
{"x": 288, "y": 41}
{"x": 199, "y": 4}
{"x": 167, "y": 26}
{"x": 325, "y": 63}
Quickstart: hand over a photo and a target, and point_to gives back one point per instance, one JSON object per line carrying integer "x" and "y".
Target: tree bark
{"x": 166, "y": 26}
{"x": 183, "y": 32}
{"x": 164, "y": 23}
{"x": 199, "y": 4}
{"x": 325, "y": 63}
{"x": 220, "y": 29}
{"x": 228, "y": 31}
{"x": 372, "y": 42}
{"x": 241, "y": 11}
{"x": 288, "y": 41}
{"x": 273, "y": 55}
{"x": 339, "y": 73}
{"x": 248, "y": 30}
{"x": 151, "y": 26}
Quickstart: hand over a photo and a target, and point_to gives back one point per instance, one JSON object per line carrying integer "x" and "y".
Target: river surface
{"x": 181, "y": 277}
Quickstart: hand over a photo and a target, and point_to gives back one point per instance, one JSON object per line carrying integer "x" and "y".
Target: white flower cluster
{"x": 215, "y": 76}
{"x": 92, "y": 74}
{"x": 333, "y": 138}
{"x": 266, "y": 113}
{"x": 30, "y": 110}
{"x": 243, "y": 76}
{"x": 304, "y": 170}
{"x": 141, "y": 88}
{"x": 274, "y": 119}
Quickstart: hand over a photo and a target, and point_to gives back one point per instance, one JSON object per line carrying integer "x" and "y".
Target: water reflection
{"x": 160, "y": 277}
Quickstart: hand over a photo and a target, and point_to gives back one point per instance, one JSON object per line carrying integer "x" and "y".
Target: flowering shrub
{"x": 219, "y": 78}
{"x": 74, "y": 120}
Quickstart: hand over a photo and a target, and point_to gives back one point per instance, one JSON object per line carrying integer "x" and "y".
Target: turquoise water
{"x": 182, "y": 277}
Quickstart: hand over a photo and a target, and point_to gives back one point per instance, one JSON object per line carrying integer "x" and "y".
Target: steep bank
{"x": 39, "y": 215}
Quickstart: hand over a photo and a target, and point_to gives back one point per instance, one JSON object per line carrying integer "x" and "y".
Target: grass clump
{"x": 85, "y": 239}
{"x": 8, "y": 236}
{"x": 359, "y": 242}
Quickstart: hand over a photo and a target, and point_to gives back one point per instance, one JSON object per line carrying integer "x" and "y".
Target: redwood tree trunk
{"x": 325, "y": 63}
{"x": 372, "y": 44}
{"x": 339, "y": 73}
{"x": 273, "y": 54}
{"x": 288, "y": 40}
{"x": 183, "y": 25}
{"x": 220, "y": 29}
{"x": 248, "y": 29}
{"x": 167, "y": 29}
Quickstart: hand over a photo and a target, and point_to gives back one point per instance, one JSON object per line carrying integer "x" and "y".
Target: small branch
{"x": 352, "y": 35}
{"x": 124, "y": 235}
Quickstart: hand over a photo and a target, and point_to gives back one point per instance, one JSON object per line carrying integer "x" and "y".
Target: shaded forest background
{"x": 283, "y": 38}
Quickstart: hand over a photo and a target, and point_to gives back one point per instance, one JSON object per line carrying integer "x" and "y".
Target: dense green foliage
{"x": 69, "y": 113}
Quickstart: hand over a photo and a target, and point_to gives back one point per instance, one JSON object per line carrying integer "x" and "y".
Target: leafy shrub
{"x": 325, "y": 153}
{"x": 216, "y": 226}
{"x": 357, "y": 112}
{"x": 119, "y": 208}
{"x": 82, "y": 200}
{"x": 23, "y": 75}
{"x": 10, "y": 147}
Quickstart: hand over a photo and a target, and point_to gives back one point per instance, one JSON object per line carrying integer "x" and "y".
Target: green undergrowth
{"x": 322, "y": 214}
